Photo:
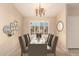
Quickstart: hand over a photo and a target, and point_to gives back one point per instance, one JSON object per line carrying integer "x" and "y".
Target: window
{"x": 38, "y": 27}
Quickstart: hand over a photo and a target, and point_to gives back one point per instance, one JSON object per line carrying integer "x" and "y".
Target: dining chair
{"x": 24, "y": 49}
{"x": 50, "y": 40}
{"x": 49, "y": 43}
{"x": 53, "y": 49}
{"x": 26, "y": 39}
{"x": 54, "y": 45}
{"x": 38, "y": 35}
{"x": 48, "y": 37}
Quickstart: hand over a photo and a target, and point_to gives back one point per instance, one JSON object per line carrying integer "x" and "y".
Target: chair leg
{"x": 54, "y": 53}
{"x": 21, "y": 54}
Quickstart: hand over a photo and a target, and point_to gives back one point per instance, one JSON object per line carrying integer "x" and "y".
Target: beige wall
{"x": 62, "y": 35}
{"x": 51, "y": 23}
{"x": 9, "y": 45}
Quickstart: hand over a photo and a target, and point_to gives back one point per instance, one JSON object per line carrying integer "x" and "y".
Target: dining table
{"x": 38, "y": 47}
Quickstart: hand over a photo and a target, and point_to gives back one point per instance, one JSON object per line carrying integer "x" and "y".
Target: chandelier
{"x": 40, "y": 11}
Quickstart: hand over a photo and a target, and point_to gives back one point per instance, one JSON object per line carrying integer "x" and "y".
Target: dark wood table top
{"x": 37, "y": 50}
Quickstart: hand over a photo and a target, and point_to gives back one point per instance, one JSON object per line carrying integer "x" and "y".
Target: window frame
{"x": 39, "y": 26}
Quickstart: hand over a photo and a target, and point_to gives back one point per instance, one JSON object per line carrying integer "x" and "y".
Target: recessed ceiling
{"x": 28, "y": 9}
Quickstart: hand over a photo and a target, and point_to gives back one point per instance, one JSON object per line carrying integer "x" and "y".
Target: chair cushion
{"x": 50, "y": 40}
{"x": 26, "y": 48}
{"x": 49, "y": 48}
{"x": 24, "y": 43}
{"x": 26, "y": 39}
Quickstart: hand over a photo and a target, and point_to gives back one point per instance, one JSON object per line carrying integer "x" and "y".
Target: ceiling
{"x": 73, "y": 5}
{"x": 28, "y": 9}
